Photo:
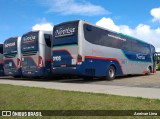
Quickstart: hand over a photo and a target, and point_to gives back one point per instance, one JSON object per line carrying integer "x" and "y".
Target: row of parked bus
{"x": 77, "y": 48}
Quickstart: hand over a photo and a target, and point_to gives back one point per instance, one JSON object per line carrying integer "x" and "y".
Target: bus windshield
{"x": 30, "y": 42}
{"x": 66, "y": 33}
{"x": 10, "y": 46}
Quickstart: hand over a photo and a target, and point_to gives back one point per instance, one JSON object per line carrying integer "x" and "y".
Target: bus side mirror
{"x": 157, "y": 60}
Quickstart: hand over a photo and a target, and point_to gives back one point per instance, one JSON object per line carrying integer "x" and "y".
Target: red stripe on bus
{"x": 145, "y": 72}
{"x": 104, "y": 58}
{"x": 8, "y": 59}
{"x": 48, "y": 60}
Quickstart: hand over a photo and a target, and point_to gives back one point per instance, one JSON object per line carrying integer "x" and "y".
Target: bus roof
{"x": 12, "y": 37}
{"x": 37, "y": 31}
{"x": 68, "y": 22}
{"x": 134, "y": 38}
{"x": 106, "y": 29}
{"x": 128, "y": 36}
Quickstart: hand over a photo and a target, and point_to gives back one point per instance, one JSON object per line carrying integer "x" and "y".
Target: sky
{"x": 137, "y": 18}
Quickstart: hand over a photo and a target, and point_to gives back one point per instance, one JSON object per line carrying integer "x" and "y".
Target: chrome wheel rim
{"x": 111, "y": 73}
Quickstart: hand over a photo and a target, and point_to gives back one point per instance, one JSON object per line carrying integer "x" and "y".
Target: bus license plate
{"x": 29, "y": 72}
{"x": 63, "y": 65}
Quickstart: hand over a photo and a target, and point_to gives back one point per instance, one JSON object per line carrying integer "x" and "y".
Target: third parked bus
{"x": 80, "y": 48}
{"x": 12, "y": 57}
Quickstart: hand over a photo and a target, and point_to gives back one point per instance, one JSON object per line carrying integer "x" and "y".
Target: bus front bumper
{"x": 15, "y": 72}
{"x": 39, "y": 72}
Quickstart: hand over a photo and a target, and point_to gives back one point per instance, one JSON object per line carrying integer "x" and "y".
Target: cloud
{"x": 155, "y": 12}
{"x": 107, "y": 23}
{"x": 73, "y": 7}
{"x": 141, "y": 31}
{"x": 46, "y": 27}
{"x": 43, "y": 25}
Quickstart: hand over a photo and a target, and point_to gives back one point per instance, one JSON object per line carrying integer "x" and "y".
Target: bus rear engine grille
{"x": 90, "y": 72}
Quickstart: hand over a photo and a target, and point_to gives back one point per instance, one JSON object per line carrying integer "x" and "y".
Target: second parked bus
{"x": 12, "y": 56}
{"x": 36, "y": 54}
{"x": 80, "y": 48}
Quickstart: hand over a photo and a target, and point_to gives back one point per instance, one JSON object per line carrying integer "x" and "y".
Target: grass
{"x": 30, "y": 98}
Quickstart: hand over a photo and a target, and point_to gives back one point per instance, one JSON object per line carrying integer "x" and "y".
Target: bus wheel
{"x": 111, "y": 73}
{"x": 149, "y": 70}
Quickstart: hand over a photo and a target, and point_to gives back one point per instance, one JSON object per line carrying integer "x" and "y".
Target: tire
{"x": 111, "y": 73}
{"x": 149, "y": 70}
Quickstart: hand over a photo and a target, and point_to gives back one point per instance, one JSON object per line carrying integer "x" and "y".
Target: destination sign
{"x": 9, "y": 44}
{"x": 29, "y": 39}
{"x": 64, "y": 32}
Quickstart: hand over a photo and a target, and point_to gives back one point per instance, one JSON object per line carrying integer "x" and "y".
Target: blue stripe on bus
{"x": 66, "y": 57}
{"x": 101, "y": 64}
{"x": 91, "y": 66}
{"x": 134, "y": 56}
{"x": 39, "y": 72}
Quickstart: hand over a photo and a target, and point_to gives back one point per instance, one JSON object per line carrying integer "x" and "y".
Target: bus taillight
{"x": 79, "y": 59}
{"x": 18, "y": 63}
{"x": 40, "y": 62}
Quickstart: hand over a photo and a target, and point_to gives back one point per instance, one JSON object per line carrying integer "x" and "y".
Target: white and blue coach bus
{"x": 36, "y": 54}
{"x": 79, "y": 48}
{"x": 12, "y": 57}
{"x": 1, "y": 60}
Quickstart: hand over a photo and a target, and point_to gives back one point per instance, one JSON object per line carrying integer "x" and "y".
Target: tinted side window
{"x": 103, "y": 37}
{"x": 107, "y": 38}
{"x": 141, "y": 47}
{"x": 145, "y": 48}
{"x": 47, "y": 38}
